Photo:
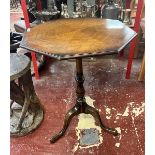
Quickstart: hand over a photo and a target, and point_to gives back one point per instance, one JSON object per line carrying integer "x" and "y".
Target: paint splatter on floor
{"x": 90, "y": 135}
{"x": 132, "y": 110}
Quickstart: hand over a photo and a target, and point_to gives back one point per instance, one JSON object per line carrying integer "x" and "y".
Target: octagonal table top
{"x": 72, "y": 38}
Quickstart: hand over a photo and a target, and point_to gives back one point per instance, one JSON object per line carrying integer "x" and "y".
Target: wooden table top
{"x": 71, "y": 38}
{"x": 19, "y": 65}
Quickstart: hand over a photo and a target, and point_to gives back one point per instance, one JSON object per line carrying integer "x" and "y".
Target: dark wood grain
{"x": 78, "y": 37}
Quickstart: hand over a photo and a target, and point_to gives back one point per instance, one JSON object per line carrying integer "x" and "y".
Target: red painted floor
{"x": 105, "y": 83}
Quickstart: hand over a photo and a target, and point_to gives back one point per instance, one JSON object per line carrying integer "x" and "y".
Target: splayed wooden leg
{"x": 95, "y": 114}
{"x": 71, "y": 113}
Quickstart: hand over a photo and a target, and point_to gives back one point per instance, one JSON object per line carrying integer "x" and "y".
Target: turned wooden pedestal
{"x": 26, "y": 112}
{"x": 81, "y": 106}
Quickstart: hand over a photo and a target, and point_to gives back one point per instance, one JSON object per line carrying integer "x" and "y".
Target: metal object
{"x": 51, "y": 5}
{"x": 64, "y": 11}
{"x": 126, "y": 16}
{"x": 77, "y": 9}
{"x": 14, "y": 4}
{"x": 83, "y": 9}
{"x": 89, "y": 10}
{"x": 27, "y": 113}
{"x": 47, "y": 14}
{"x": 110, "y": 10}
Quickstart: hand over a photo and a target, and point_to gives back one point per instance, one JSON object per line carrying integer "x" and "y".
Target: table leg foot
{"x": 95, "y": 114}
{"x": 71, "y": 113}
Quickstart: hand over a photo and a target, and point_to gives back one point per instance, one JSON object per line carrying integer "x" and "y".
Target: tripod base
{"x": 82, "y": 107}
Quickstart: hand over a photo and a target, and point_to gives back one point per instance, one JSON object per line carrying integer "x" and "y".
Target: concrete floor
{"x": 119, "y": 101}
